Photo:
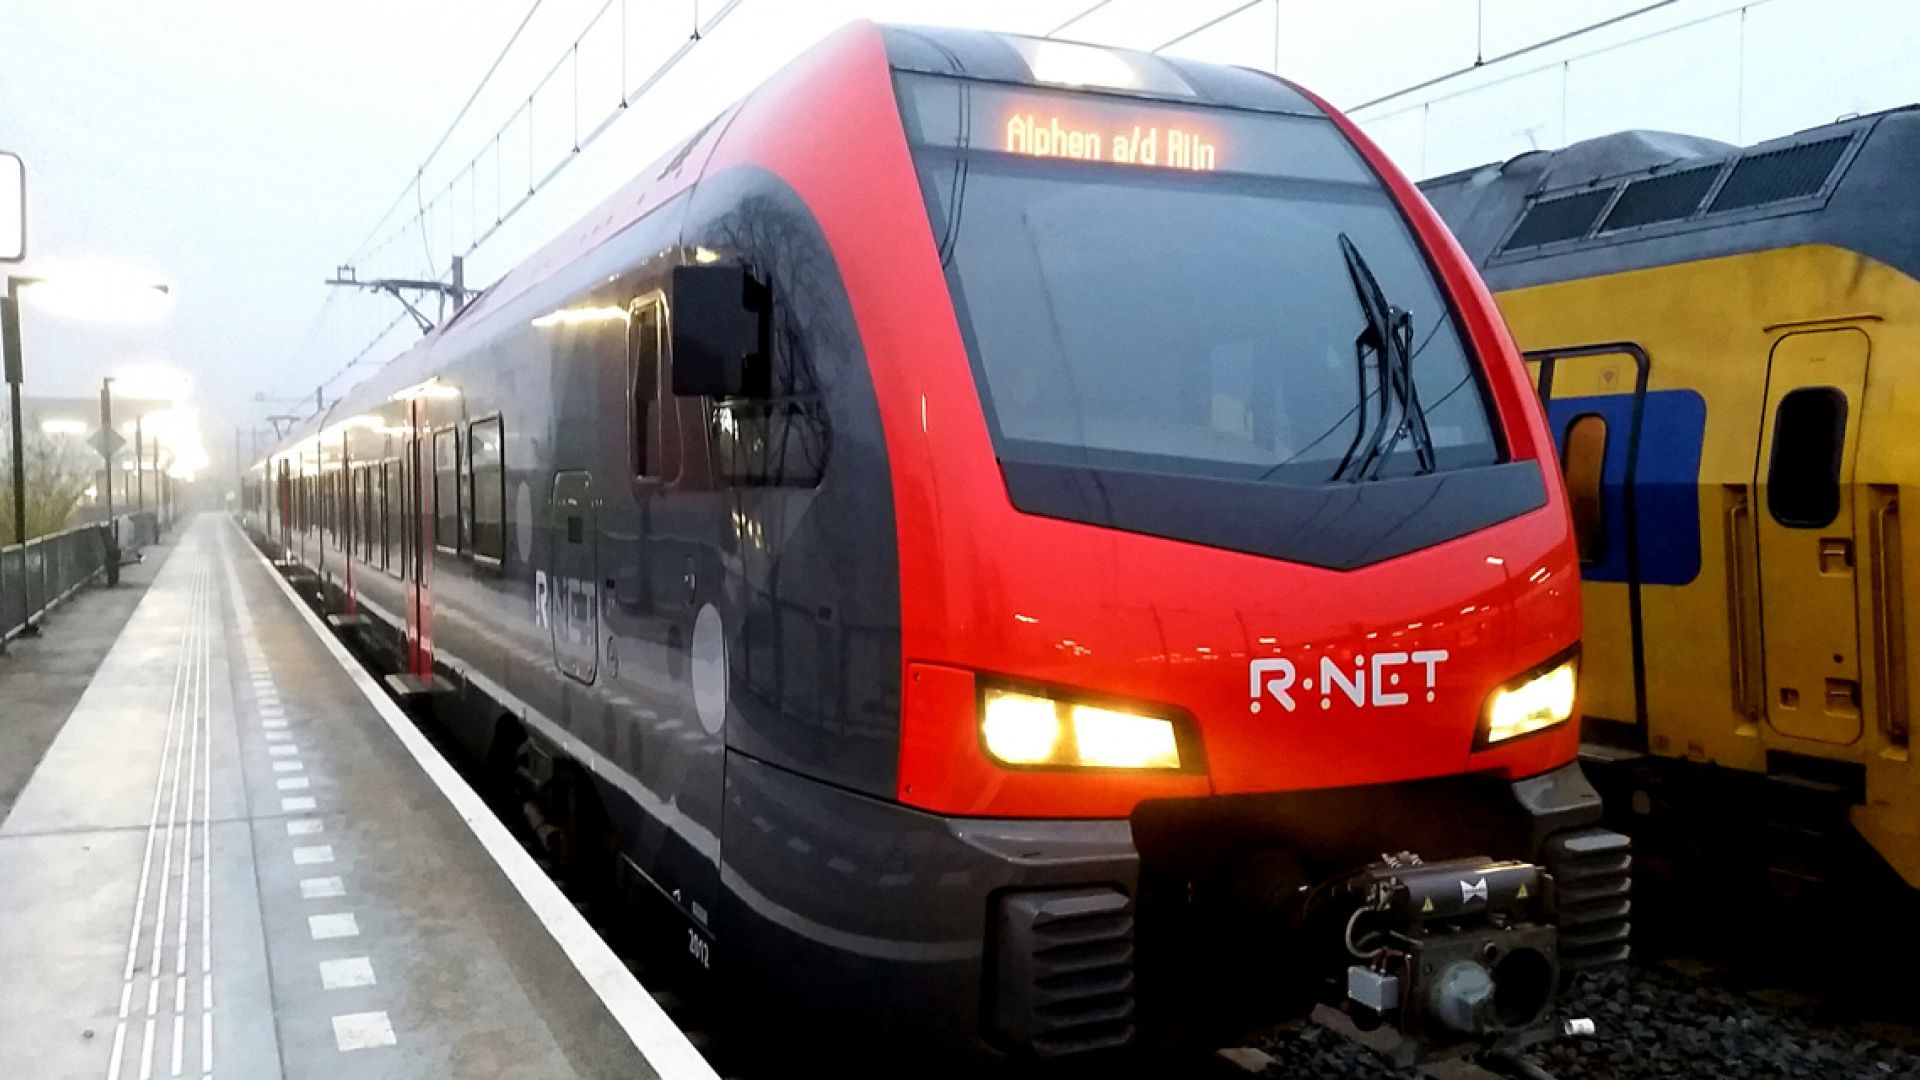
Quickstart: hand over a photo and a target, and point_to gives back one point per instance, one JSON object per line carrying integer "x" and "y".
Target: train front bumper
{"x": 1056, "y": 938}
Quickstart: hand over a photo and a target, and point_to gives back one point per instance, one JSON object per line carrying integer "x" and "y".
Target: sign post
{"x": 109, "y": 442}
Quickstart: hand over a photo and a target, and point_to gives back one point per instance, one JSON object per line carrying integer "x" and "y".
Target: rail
{"x": 39, "y": 575}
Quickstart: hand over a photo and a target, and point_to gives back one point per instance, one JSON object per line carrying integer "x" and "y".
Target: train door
{"x": 1804, "y": 533}
{"x": 418, "y": 545}
{"x": 677, "y": 594}
{"x": 573, "y": 596}
{"x": 283, "y": 492}
{"x": 1595, "y": 399}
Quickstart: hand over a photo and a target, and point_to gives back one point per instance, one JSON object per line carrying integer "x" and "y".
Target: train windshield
{"x": 1164, "y": 288}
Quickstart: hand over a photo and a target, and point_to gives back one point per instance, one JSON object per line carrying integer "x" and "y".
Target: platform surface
{"x": 228, "y": 864}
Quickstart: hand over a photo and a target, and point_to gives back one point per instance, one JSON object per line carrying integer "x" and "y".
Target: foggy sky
{"x": 240, "y": 151}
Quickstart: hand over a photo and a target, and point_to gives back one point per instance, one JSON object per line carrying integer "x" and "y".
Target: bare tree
{"x": 58, "y": 472}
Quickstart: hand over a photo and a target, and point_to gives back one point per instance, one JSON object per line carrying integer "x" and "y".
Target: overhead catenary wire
{"x": 454, "y": 125}
{"x": 423, "y": 218}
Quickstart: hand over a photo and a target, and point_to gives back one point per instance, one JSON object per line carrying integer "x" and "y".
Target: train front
{"x": 1239, "y": 604}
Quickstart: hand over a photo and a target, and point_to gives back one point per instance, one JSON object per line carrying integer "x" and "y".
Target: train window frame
{"x": 471, "y": 507}
{"x": 1797, "y": 497}
{"x": 369, "y": 503}
{"x": 1589, "y": 529}
{"x": 391, "y": 496}
{"x": 653, "y": 450}
{"x": 452, "y": 432}
{"x": 409, "y": 509}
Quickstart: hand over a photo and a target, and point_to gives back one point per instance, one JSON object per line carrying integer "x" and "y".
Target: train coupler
{"x": 1446, "y": 958}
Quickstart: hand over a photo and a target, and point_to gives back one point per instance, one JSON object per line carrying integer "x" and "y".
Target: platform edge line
{"x": 645, "y": 1023}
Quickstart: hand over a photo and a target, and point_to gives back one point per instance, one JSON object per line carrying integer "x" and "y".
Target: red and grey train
{"x": 1026, "y": 546}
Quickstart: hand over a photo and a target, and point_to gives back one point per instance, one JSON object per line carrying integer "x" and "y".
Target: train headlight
{"x": 1021, "y": 728}
{"x": 1534, "y": 702}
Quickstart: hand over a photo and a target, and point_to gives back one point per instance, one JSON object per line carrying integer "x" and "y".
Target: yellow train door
{"x": 1804, "y": 524}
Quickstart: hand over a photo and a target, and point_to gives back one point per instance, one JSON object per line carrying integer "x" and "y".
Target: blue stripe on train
{"x": 1667, "y": 488}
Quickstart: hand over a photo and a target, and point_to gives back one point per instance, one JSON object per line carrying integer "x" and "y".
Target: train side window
{"x": 486, "y": 491}
{"x": 784, "y": 438}
{"x": 1583, "y": 460}
{"x": 446, "y": 489}
{"x": 1803, "y": 476}
{"x": 654, "y": 452}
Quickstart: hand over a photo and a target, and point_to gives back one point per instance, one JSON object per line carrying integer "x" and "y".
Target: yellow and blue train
{"x": 1727, "y": 341}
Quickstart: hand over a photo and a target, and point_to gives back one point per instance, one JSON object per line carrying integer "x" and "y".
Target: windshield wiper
{"x": 1385, "y": 347}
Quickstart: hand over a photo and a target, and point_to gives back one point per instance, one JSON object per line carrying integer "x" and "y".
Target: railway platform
{"x": 239, "y": 859}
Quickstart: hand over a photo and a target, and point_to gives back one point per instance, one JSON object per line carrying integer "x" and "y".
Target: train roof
{"x": 1638, "y": 199}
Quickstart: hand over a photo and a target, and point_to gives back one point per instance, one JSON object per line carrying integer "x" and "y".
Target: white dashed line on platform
{"x": 329, "y": 927}
{"x": 304, "y": 827}
{"x": 288, "y": 766}
{"x": 296, "y": 803}
{"x": 313, "y": 856}
{"x": 282, "y": 751}
{"x": 361, "y": 1031}
{"x": 322, "y": 888}
{"x": 292, "y": 783}
{"x": 349, "y": 974}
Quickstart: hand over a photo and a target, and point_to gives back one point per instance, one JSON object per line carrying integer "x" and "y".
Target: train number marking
{"x": 1369, "y": 685}
{"x": 700, "y": 949}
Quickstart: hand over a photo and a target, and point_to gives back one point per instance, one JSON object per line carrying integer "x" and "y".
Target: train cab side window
{"x": 1803, "y": 475}
{"x": 1583, "y": 459}
{"x": 486, "y": 489}
{"x": 446, "y": 489}
{"x": 650, "y": 428}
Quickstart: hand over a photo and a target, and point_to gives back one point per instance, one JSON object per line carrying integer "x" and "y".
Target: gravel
{"x": 1667, "y": 1021}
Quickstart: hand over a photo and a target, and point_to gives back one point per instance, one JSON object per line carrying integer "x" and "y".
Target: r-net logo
{"x": 1370, "y": 680}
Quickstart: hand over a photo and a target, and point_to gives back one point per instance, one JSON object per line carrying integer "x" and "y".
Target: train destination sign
{"x": 1168, "y": 145}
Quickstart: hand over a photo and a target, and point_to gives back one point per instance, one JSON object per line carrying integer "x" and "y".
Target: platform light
{"x": 1533, "y": 705}
{"x": 1021, "y": 728}
{"x": 64, "y": 427}
{"x": 97, "y": 292}
{"x": 152, "y": 380}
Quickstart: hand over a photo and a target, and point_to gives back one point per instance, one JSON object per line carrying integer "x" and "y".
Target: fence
{"x": 46, "y": 570}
